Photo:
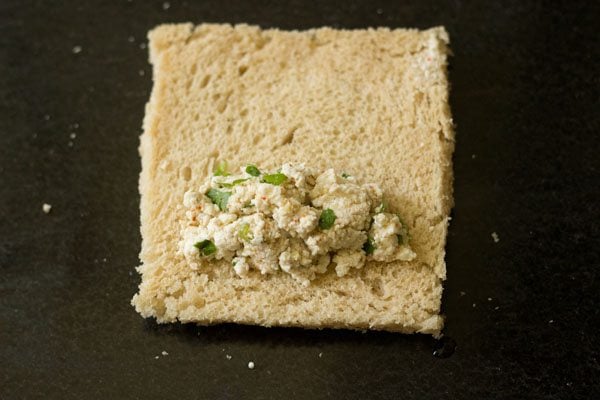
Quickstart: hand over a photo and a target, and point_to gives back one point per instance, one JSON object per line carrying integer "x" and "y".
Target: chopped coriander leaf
{"x": 206, "y": 247}
{"x": 327, "y": 219}
{"x": 400, "y": 239}
{"x": 369, "y": 246}
{"x": 245, "y": 233}
{"x": 275, "y": 179}
{"x": 345, "y": 175}
{"x": 381, "y": 208}
{"x": 232, "y": 184}
{"x": 404, "y": 235}
{"x": 221, "y": 169}
{"x": 252, "y": 170}
{"x": 218, "y": 197}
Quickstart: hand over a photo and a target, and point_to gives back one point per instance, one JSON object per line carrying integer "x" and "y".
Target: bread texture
{"x": 371, "y": 102}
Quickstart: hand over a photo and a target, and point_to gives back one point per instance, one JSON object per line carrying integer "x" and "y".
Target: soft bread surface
{"x": 373, "y": 103}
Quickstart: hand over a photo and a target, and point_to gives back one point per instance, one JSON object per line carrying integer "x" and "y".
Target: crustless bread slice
{"x": 373, "y": 103}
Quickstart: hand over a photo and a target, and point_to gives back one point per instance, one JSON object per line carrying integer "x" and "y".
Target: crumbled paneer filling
{"x": 296, "y": 220}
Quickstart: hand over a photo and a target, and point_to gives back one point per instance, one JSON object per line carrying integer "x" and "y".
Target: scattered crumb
{"x": 551, "y": 321}
{"x": 320, "y": 355}
{"x": 131, "y": 39}
{"x": 227, "y": 356}
{"x": 166, "y": 5}
{"x": 156, "y": 357}
{"x": 70, "y": 143}
{"x": 379, "y": 11}
{"x": 462, "y": 293}
{"x": 142, "y": 45}
{"x": 76, "y": 49}
{"x": 489, "y": 299}
{"x": 75, "y": 125}
{"x": 73, "y": 135}
{"x": 474, "y": 305}
{"x": 164, "y": 353}
{"x": 141, "y": 72}
{"x": 496, "y": 308}
{"x": 473, "y": 156}
{"x": 130, "y": 273}
{"x": 46, "y": 208}
{"x": 495, "y": 237}
{"x": 104, "y": 259}
{"x": 251, "y": 365}
{"x": 47, "y": 117}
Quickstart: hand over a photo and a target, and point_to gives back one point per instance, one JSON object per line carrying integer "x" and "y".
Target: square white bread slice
{"x": 373, "y": 103}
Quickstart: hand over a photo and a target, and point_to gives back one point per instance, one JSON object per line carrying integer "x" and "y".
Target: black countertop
{"x": 523, "y": 311}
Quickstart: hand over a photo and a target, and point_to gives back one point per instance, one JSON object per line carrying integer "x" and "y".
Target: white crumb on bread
{"x": 371, "y": 101}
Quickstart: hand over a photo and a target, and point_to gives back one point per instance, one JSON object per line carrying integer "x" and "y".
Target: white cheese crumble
{"x": 46, "y": 208}
{"x": 297, "y": 221}
{"x": 251, "y": 365}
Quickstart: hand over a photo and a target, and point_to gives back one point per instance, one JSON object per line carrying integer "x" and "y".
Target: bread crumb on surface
{"x": 72, "y": 135}
{"x": 551, "y": 321}
{"x": 320, "y": 355}
{"x": 156, "y": 357}
{"x": 495, "y": 237}
{"x": 164, "y": 353}
{"x": 462, "y": 293}
{"x": 46, "y": 208}
{"x": 227, "y": 356}
{"x": 77, "y": 49}
{"x": 489, "y": 299}
{"x": 131, "y": 39}
{"x": 142, "y": 45}
{"x": 166, "y": 5}
{"x": 251, "y": 365}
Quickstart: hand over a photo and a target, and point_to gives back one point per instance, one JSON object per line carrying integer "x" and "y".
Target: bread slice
{"x": 371, "y": 102}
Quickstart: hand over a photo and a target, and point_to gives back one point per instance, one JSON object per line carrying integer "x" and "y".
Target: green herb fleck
{"x": 232, "y": 184}
{"x": 252, "y": 170}
{"x": 275, "y": 179}
{"x": 221, "y": 169}
{"x": 369, "y": 246}
{"x": 248, "y": 204}
{"x": 244, "y": 233}
{"x": 404, "y": 235}
{"x": 381, "y": 208}
{"x": 219, "y": 198}
{"x": 345, "y": 175}
{"x": 206, "y": 247}
{"x": 327, "y": 219}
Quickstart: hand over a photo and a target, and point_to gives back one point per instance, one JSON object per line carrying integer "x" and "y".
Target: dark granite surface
{"x": 522, "y": 311}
